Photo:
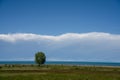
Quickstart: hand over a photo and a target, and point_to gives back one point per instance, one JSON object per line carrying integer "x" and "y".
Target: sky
{"x": 70, "y": 30}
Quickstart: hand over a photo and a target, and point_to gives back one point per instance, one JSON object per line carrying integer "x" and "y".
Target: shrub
{"x": 0, "y": 67}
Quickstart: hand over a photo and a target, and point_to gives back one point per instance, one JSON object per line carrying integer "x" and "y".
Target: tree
{"x": 40, "y": 58}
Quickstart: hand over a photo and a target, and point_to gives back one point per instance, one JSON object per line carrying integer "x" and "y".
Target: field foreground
{"x": 58, "y": 72}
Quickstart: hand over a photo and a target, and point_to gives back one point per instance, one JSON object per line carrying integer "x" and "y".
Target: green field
{"x": 58, "y": 72}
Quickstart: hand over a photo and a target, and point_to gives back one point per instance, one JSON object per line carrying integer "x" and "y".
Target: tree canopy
{"x": 40, "y": 58}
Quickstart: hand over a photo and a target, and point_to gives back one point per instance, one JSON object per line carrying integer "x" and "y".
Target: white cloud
{"x": 70, "y": 46}
{"x": 18, "y": 59}
{"x": 68, "y": 36}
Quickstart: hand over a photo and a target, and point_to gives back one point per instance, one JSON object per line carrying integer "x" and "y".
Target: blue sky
{"x": 59, "y": 16}
{"x": 56, "y": 18}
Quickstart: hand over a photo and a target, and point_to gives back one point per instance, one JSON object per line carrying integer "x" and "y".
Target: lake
{"x": 65, "y": 63}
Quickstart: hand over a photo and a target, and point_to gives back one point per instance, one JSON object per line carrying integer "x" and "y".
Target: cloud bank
{"x": 72, "y": 36}
{"x": 93, "y": 46}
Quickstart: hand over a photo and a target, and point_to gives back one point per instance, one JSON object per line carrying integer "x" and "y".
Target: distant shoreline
{"x": 112, "y": 64}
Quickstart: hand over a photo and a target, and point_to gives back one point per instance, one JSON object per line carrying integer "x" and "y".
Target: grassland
{"x": 58, "y": 72}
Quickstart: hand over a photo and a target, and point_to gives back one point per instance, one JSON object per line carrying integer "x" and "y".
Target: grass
{"x": 58, "y": 72}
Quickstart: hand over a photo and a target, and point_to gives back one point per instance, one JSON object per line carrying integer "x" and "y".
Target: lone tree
{"x": 40, "y": 58}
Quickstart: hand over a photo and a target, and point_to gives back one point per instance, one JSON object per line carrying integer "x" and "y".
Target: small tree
{"x": 40, "y": 58}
